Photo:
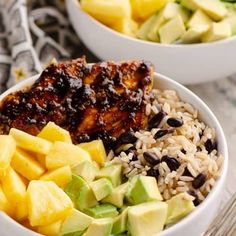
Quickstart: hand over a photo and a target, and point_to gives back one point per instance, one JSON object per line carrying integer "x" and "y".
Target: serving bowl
{"x": 187, "y": 64}
{"x": 199, "y": 219}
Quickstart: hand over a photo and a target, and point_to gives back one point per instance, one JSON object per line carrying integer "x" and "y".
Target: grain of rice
{"x": 186, "y": 178}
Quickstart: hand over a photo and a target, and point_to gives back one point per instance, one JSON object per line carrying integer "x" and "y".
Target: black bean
{"x": 156, "y": 120}
{"x": 172, "y": 162}
{"x": 151, "y": 158}
{"x": 128, "y": 137}
{"x": 196, "y": 201}
{"x": 199, "y": 149}
{"x": 152, "y": 172}
{"x": 161, "y": 133}
{"x": 175, "y": 122}
{"x": 199, "y": 181}
{"x": 187, "y": 172}
{"x": 183, "y": 151}
{"x": 210, "y": 146}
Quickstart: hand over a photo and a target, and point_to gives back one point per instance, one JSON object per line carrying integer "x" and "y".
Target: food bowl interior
{"x": 191, "y": 224}
{"x": 187, "y": 64}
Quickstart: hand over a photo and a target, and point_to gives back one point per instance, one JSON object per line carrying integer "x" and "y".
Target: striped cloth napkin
{"x": 31, "y": 34}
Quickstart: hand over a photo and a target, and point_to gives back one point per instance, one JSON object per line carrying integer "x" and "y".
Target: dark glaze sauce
{"x": 91, "y": 101}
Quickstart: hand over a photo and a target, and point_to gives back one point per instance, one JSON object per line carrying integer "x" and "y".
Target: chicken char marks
{"x": 102, "y": 100}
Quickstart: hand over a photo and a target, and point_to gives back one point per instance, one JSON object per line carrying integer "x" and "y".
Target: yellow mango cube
{"x": 14, "y": 187}
{"x": 26, "y": 165}
{"x": 53, "y": 133}
{"x": 7, "y": 148}
{"x": 4, "y": 203}
{"x": 61, "y": 176}
{"x": 30, "y": 142}
{"x": 126, "y": 26}
{"x": 62, "y": 154}
{"x": 96, "y": 150}
{"x": 50, "y": 230}
{"x": 47, "y": 203}
{"x": 107, "y": 12}
{"x": 142, "y": 9}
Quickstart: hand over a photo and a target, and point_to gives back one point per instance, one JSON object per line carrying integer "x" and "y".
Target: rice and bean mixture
{"x": 176, "y": 148}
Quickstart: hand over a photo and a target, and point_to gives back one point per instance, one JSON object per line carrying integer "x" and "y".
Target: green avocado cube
{"x": 111, "y": 172}
{"x": 99, "y": 227}
{"x": 102, "y": 211}
{"x": 178, "y": 207}
{"x": 73, "y": 187}
{"x": 217, "y": 31}
{"x": 101, "y": 188}
{"x": 147, "y": 218}
{"x": 194, "y": 34}
{"x": 116, "y": 198}
{"x": 86, "y": 198}
{"x": 143, "y": 189}
{"x": 232, "y": 21}
{"x": 189, "y": 4}
{"x": 87, "y": 170}
{"x": 199, "y": 18}
{"x": 120, "y": 222}
{"x": 172, "y": 30}
{"x": 75, "y": 223}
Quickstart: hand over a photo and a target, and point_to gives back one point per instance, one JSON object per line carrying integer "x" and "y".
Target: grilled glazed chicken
{"x": 101, "y": 100}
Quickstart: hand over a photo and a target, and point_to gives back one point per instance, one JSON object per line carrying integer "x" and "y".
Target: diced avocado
{"x": 217, "y": 31}
{"x": 143, "y": 189}
{"x": 111, "y": 172}
{"x": 199, "y": 18}
{"x": 72, "y": 189}
{"x": 99, "y": 227}
{"x": 120, "y": 222}
{"x": 213, "y": 8}
{"x": 232, "y": 21}
{"x": 172, "y": 30}
{"x": 146, "y": 219}
{"x": 86, "y": 198}
{"x": 178, "y": 207}
{"x": 194, "y": 34}
{"x": 76, "y": 222}
{"x": 87, "y": 170}
{"x": 102, "y": 211}
{"x": 116, "y": 198}
{"x": 189, "y": 4}
{"x": 78, "y": 233}
{"x": 101, "y": 188}
{"x": 170, "y": 11}
{"x": 145, "y": 27}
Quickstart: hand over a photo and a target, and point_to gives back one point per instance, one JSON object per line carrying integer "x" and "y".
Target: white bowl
{"x": 197, "y": 221}
{"x": 187, "y": 64}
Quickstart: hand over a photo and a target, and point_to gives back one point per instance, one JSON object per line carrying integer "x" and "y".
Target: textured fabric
{"x": 32, "y": 33}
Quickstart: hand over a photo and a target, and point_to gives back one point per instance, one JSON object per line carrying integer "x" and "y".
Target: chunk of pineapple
{"x": 50, "y": 230}
{"x": 41, "y": 159}
{"x": 96, "y": 150}
{"x": 13, "y": 187}
{"x": 7, "y": 148}
{"x": 21, "y": 210}
{"x": 26, "y": 165}
{"x": 30, "y": 142}
{"x": 53, "y": 133}
{"x": 107, "y": 12}
{"x": 126, "y": 26}
{"x": 62, "y": 154}
{"x": 142, "y": 9}
{"x": 47, "y": 203}
{"x": 5, "y": 204}
{"x": 61, "y": 176}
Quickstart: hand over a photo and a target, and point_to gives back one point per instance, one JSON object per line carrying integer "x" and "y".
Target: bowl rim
{"x": 149, "y": 43}
{"x": 219, "y": 182}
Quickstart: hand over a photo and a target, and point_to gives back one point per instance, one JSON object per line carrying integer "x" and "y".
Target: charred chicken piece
{"x": 91, "y": 101}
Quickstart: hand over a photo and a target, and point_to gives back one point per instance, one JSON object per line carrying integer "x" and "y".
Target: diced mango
{"x": 4, "y": 203}
{"x": 107, "y": 12}
{"x": 142, "y": 9}
{"x": 7, "y": 148}
{"x": 62, "y": 154}
{"x": 61, "y": 176}
{"x": 26, "y": 165}
{"x": 47, "y": 203}
{"x": 50, "y": 230}
{"x": 53, "y": 133}
{"x": 96, "y": 150}
{"x": 126, "y": 26}
{"x": 30, "y": 142}
{"x": 13, "y": 187}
